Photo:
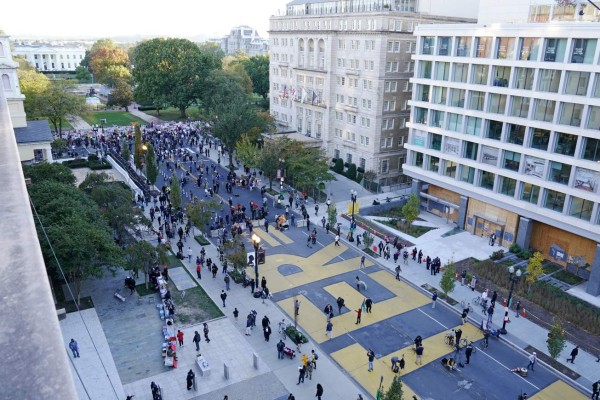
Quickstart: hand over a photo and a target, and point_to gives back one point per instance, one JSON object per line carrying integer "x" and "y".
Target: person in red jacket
{"x": 180, "y": 338}
{"x": 358, "y": 314}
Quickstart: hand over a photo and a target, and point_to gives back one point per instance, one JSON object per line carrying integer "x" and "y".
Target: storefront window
{"x": 467, "y": 174}
{"x": 450, "y": 169}
{"x": 560, "y": 172}
{"x": 540, "y": 138}
{"x": 512, "y": 160}
{"x": 516, "y": 134}
{"x": 487, "y": 180}
{"x": 591, "y": 149}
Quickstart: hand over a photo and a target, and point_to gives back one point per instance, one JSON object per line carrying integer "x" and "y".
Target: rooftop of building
{"x": 34, "y": 132}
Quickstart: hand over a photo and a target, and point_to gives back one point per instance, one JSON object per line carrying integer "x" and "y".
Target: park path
{"x": 140, "y": 114}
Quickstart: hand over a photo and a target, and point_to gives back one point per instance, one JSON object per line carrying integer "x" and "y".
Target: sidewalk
{"x": 133, "y": 109}
{"x": 521, "y": 331}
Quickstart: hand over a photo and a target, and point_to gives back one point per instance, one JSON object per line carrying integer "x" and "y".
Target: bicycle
{"x": 449, "y": 339}
{"x": 466, "y": 306}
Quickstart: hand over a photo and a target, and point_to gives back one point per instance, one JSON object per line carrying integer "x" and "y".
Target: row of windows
{"x": 53, "y": 66}
{"x": 576, "y": 83}
{"x": 551, "y": 199}
{"x": 53, "y": 56}
{"x": 577, "y": 51}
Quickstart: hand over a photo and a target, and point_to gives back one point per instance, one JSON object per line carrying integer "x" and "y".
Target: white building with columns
{"x": 51, "y": 57}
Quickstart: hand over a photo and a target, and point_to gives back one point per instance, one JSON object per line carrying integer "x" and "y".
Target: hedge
{"x": 93, "y": 165}
{"x": 351, "y": 172}
{"x": 339, "y": 166}
{"x": 202, "y": 241}
{"x": 290, "y": 331}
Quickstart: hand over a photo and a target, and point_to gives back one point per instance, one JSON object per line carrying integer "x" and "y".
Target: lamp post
{"x": 256, "y": 243}
{"x": 514, "y": 278}
{"x": 353, "y": 194}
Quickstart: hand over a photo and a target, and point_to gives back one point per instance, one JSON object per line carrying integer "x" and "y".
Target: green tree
{"x": 109, "y": 63}
{"x": 125, "y": 153}
{"x": 46, "y": 172}
{"x": 121, "y": 95}
{"x": 410, "y": 210}
{"x": 534, "y": 269}
{"x": 368, "y": 239}
{"x": 257, "y": 68}
{"x": 395, "y": 391}
{"x": 447, "y": 281}
{"x": 137, "y": 147}
{"x": 236, "y": 253}
{"x": 306, "y": 166}
{"x": 332, "y": 216}
{"x": 34, "y": 86}
{"x": 151, "y": 167}
{"x": 200, "y": 213}
{"x": 171, "y": 72}
{"x": 248, "y": 151}
{"x": 175, "y": 193}
{"x": 59, "y": 101}
{"x": 234, "y": 64}
{"x": 82, "y": 74}
{"x": 141, "y": 256}
{"x": 59, "y": 145}
{"x": 557, "y": 338}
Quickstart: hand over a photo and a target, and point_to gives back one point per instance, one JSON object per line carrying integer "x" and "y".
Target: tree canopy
{"x": 151, "y": 167}
{"x": 171, "y": 72}
{"x": 410, "y": 210}
{"x": 109, "y": 63}
{"x": 121, "y": 95}
{"x": 49, "y": 172}
{"x": 34, "y": 86}
{"x": 257, "y": 67}
{"x": 200, "y": 212}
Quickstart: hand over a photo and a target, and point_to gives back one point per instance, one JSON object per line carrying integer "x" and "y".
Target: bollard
{"x": 225, "y": 371}
{"x": 255, "y": 360}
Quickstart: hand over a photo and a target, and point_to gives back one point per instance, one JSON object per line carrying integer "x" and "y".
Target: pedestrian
{"x": 357, "y": 283}
{"x": 337, "y": 240}
{"x": 266, "y": 226}
{"x": 316, "y": 210}
{"x": 340, "y": 304}
{"x": 419, "y": 353}
{"x": 463, "y": 276}
{"x": 473, "y": 283}
{"x": 398, "y": 270}
{"x": 301, "y": 372}
{"x": 468, "y": 352}
{"x": 434, "y": 299}
{"x": 362, "y": 262}
{"x": 518, "y": 309}
{"x": 420, "y": 257}
{"x": 313, "y": 358}
{"x": 458, "y": 334}
{"x": 463, "y": 316}
{"x": 190, "y": 253}
{"x": 267, "y": 333}
{"x": 532, "y": 360}
{"x": 235, "y": 314}
{"x": 494, "y": 297}
{"x": 297, "y": 307}
{"x": 206, "y": 333}
{"x": 358, "y": 314}
{"x": 227, "y": 279}
{"x": 370, "y": 357}
{"x": 197, "y": 339}
{"x": 574, "y": 353}
{"x": 323, "y": 221}
{"x": 402, "y": 363}
{"x": 252, "y": 285}
{"x": 190, "y": 379}
{"x": 329, "y": 330}
{"x": 199, "y": 270}
{"x": 291, "y": 397}
{"x": 180, "y": 338}
{"x": 223, "y": 297}
{"x": 319, "y": 391}
{"x": 595, "y": 390}
{"x": 490, "y": 313}
{"x": 248, "y": 325}
{"x": 263, "y": 283}
{"x": 368, "y": 304}
{"x": 74, "y": 348}
{"x": 280, "y": 347}
{"x": 309, "y": 370}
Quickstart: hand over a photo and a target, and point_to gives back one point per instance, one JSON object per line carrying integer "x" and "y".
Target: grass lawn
{"x": 173, "y": 114}
{"x": 193, "y": 305}
{"x": 119, "y": 118}
{"x": 412, "y": 230}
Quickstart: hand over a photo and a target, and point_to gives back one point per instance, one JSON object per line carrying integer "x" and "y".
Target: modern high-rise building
{"x": 504, "y": 129}
{"x": 245, "y": 39}
{"x": 339, "y": 72}
{"x": 50, "y": 57}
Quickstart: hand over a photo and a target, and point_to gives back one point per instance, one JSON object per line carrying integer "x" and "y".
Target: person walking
{"x": 190, "y": 379}
{"x": 358, "y": 315}
{"x": 362, "y": 262}
{"x": 337, "y": 240}
{"x": 280, "y": 347}
{"x": 301, "y": 372}
{"x": 227, "y": 280}
{"x": 370, "y": 357}
{"x": 419, "y": 353}
{"x": 267, "y": 332}
{"x": 248, "y": 325}
{"x": 595, "y": 390}
{"x": 340, "y": 304}
{"x": 190, "y": 254}
{"x": 199, "y": 270}
{"x": 463, "y": 316}
{"x": 180, "y": 338}
{"x": 468, "y": 352}
{"x": 297, "y": 307}
{"x": 518, "y": 309}
{"x": 368, "y": 304}
{"x": 206, "y": 333}
{"x": 463, "y": 276}
{"x": 223, "y": 297}
{"x": 434, "y": 299}
{"x": 398, "y": 270}
{"x": 323, "y": 221}
{"x": 319, "y": 391}
{"x": 490, "y": 313}
{"x": 197, "y": 339}
{"x": 532, "y": 360}
{"x": 574, "y": 353}
{"x": 74, "y": 348}
{"x": 329, "y": 330}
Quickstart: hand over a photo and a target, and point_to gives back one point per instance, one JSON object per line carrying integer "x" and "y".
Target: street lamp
{"x": 256, "y": 243}
{"x": 353, "y": 194}
{"x": 514, "y": 278}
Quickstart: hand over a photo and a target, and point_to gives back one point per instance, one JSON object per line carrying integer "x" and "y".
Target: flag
{"x": 314, "y": 97}
{"x": 293, "y": 93}
{"x": 304, "y": 94}
{"x": 285, "y": 92}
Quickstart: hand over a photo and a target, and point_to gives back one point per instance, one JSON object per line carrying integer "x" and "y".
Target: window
{"x": 450, "y": 169}
{"x": 457, "y": 97}
{"x": 548, "y": 81}
{"x": 470, "y": 150}
{"x": 454, "y": 122}
{"x": 523, "y": 78}
{"x": 554, "y": 200}
{"x": 519, "y": 106}
{"x": 554, "y": 50}
{"x": 512, "y": 160}
{"x": 391, "y": 86}
{"x": 530, "y": 193}
{"x": 442, "y": 71}
{"x": 483, "y": 47}
{"x": 435, "y": 141}
{"x": 486, "y": 180}
{"x": 570, "y": 114}
{"x": 544, "y": 110}
{"x": 540, "y": 139}
{"x": 386, "y": 124}
{"x": 596, "y": 89}
{"x": 384, "y": 166}
{"x": 444, "y": 46}
{"x": 434, "y": 164}
{"x": 463, "y": 46}
{"x": 459, "y": 74}
{"x": 476, "y": 101}
{"x": 507, "y": 186}
{"x": 467, "y": 174}
{"x": 6, "y": 82}
{"x": 529, "y": 49}
{"x": 425, "y": 70}
{"x": 497, "y": 103}
{"x": 591, "y": 149}
{"x": 423, "y": 92}
{"x": 577, "y": 83}
{"x": 418, "y": 160}
{"x": 593, "y": 121}
{"x": 480, "y": 74}
{"x": 501, "y": 76}
{"x": 362, "y": 163}
{"x": 516, "y": 134}
{"x": 439, "y": 95}
{"x": 473, "y": 126}
{"x": 421, "y": 115}
{"x": 581, "y": 208}
{"x": 427, "y": 45}
{"x": 559, "y": 172}
{"x": 583, "y": 50}
{"x": 565, "y": 144}
{"x": 389, "y": 105}
{"x": 494, "y": 130}
{"x": 437, "y": 118}
{"x": 506, "y": 48}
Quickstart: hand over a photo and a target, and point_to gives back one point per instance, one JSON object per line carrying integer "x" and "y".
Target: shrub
{"x": 290, "y": 331}
{"x": 95, "y": 165}
{"x": 202, "y": 241}
{"x": 360, "y": 170}
{"x": 92, "y": 157}
{"x": 236, "y": 275}
{"x": 359, "y": 177}
{"x": 351, "y": 172}
{"x": 497, "y": 255}
{"x": 339, "y": 166}
{"x": 77, "y": 163}
{"x": 514, "y": 248}
{"x": 524, "y": 254}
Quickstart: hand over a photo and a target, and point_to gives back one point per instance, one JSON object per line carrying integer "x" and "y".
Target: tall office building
{"x": 246, "y": 39}
{"x": 504, "y": 130}
{"x": 339, "y": 72}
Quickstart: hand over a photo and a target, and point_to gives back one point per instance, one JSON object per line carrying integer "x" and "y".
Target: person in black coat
{"x": 319, "y": 391}
{"x": 190, "y": 379}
